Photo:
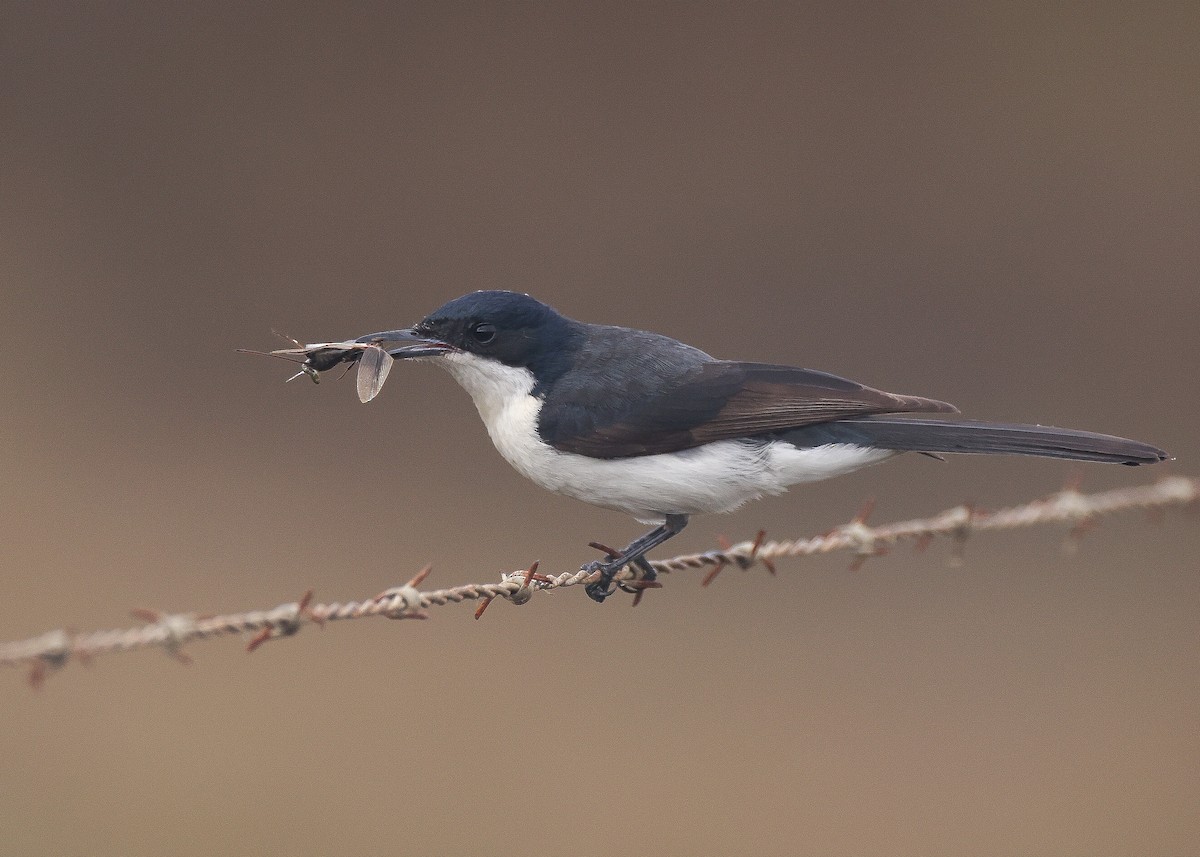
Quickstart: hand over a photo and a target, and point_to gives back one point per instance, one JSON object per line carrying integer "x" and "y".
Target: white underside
{"x": 715, "y": 477}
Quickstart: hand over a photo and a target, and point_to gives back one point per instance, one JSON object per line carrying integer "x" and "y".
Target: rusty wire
{"x": 171, "y": 632}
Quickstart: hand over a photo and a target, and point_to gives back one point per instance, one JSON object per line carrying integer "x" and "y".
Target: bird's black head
{"x": 508, "y": 327}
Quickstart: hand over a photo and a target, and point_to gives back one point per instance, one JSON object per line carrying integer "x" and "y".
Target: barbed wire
{"x": 170, "y": 632}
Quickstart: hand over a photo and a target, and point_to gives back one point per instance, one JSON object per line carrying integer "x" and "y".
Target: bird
{"x": 644, "y": 424}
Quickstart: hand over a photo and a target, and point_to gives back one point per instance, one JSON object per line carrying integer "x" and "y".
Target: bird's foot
{"x": 600, "y": 589}
{"x": 634, "y": 554}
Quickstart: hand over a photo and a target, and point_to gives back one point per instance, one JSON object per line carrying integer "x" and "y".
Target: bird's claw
{"x": 600, "y": 589}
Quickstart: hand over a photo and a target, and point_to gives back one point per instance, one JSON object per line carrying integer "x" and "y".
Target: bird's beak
{"x": 417, "y": 345}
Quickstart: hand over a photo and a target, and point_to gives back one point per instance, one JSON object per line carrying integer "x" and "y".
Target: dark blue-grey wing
{"x": 717, "y": 400}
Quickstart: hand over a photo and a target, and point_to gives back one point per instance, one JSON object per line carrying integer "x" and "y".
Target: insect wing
{"x": 372, "y": 372}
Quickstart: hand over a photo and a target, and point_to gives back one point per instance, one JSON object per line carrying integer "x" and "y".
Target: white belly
{"x": 715, "y": 477}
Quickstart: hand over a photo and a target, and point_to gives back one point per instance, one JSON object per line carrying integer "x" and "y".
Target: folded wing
{"x": 719, "y": 400}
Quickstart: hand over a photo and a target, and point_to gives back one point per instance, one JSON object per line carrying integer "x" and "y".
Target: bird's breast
{"x": 503, "y": 395}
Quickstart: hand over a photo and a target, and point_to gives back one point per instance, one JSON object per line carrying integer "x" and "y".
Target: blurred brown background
{"x": 995, "y": 205}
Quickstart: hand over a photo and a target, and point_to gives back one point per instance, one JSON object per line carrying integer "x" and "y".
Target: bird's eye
{"x": 483, "y": 333}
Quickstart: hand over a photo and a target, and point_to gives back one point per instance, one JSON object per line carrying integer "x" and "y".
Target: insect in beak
{"x": 374, "y": 363}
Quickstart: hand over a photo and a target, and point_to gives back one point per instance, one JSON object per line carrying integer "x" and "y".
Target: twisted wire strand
{"x": 170, "y": 632}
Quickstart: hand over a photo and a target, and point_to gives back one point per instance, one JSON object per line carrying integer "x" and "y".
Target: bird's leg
{"x": 635, "y": 553}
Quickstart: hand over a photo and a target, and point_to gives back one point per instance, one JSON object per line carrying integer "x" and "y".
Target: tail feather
{"x": 972, "y": 436}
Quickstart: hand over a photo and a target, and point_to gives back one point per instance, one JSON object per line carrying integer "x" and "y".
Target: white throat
{"x": 494, "y": 387}
{"x": 503, "y": 395}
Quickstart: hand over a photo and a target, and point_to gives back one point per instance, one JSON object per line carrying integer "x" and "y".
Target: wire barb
{"x": 288, "y": 620}
{"x": 52, "y": 650}
{"x": 404, "y": 602}
{"x": 178, "y": 627}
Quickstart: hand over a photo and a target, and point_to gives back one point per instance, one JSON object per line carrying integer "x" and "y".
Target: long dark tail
{"x": 971, "y": 436}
